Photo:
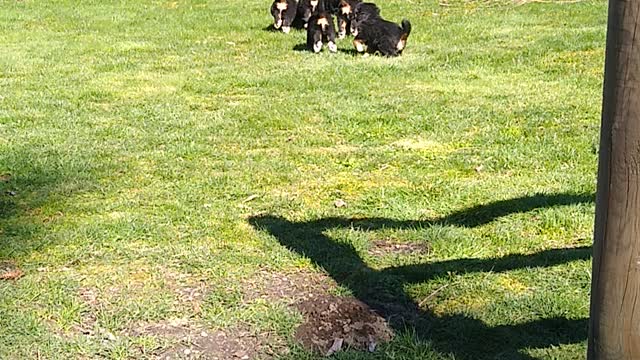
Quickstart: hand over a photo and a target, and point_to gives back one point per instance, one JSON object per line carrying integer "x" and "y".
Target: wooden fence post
{"x": 614, "y": 326}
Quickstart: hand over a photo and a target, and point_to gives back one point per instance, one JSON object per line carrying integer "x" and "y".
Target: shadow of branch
{"x": 383, "y": 290}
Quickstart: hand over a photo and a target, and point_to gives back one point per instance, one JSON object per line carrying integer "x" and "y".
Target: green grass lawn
{"x": 161, "y": 161}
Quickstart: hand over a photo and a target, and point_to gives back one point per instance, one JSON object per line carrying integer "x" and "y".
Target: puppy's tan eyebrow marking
{"x": 281, "y": 6}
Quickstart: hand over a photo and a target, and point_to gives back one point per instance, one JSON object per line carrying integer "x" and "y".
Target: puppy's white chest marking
{"x": 314, "y": 3}
{"x": 346, "y": 10}
{"x": 281, "y": 6}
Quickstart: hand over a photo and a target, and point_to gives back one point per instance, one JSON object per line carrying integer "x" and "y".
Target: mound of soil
{"x": 333, "y": 323}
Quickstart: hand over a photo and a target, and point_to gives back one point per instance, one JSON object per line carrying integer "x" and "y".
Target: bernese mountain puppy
{"x": 284, "y": 13}
{"x": 345, "y": 13}
{"x": 306, "y": 8}
{"x": 321, "y": 30}
{"x": 365, "y": 11}
{"x": 373, "y": 34}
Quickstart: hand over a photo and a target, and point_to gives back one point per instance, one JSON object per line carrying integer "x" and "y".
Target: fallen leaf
{"x": 371, "y": 347}
{"x": 339, "y": 203}
{"x": 11, "y": 274}
{"x": 337, "y": 346}
{"x": 479, "y": 168}
{"x": 252, "y": 197}
{"x": 9, "y": 271}
{"x": 241, "y": 354}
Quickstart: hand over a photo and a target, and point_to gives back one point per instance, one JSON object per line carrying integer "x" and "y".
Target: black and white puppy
{"x": 306, "y": 8}
{"x": 374, "y": 34}
{"x": 284, "y": 13}
{"x": 321, "y": 30}
{"x": 345, "y": 12}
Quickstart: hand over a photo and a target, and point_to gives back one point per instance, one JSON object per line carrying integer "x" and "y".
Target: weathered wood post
{"x": 614, "y": 327}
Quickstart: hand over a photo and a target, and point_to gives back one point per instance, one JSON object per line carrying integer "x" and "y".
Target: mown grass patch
{"x": 157, "y": 158}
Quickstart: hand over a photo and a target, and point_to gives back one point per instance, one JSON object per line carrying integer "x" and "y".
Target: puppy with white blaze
{"x": 321, "y": 30}
{"x": 374, "y": 34}
{"x": 306, "y": 8}
{"x": 284, "y": 13}
{"x": 345, "y": 13}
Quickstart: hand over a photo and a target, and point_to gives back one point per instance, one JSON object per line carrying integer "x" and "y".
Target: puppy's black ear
{"x": 368, "y": 8}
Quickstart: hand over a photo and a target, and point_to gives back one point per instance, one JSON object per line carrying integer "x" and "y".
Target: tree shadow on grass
{"x": 383, "y": 290}
{"x": 30, "y": 182}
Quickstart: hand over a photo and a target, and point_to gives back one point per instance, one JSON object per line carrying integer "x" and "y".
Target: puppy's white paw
{"x": 277, "y": 24}
{"x": 359, "y": 46}
{"x": 332, "y": 47}
{"x": 306, "y": 25}
{"x": 286, "y": 29}
{"x": 317, "y": 47}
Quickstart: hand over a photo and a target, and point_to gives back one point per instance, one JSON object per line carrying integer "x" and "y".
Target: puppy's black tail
{"x": 406, "y": 30}
{"x": 406, "y": 27}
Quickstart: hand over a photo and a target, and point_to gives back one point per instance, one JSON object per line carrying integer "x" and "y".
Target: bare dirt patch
{"x": 292, "y": 288}
{"x": 189, "y": 290}
{"x": 387, "y": 247}
{"x": 190, "y": 341}
{"x": 334, "y": 323}
{"x": 88, "y": 318}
